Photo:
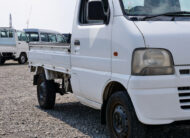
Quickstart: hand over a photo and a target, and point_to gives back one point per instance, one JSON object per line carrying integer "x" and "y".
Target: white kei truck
{"x": 128, "y": 58}
{"x": 13, "y": 45}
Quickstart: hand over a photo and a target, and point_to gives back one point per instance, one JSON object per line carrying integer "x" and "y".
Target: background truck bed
{"x": 7, "y": 45}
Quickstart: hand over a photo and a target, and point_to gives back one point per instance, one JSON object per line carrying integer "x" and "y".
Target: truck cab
{"x": 13, "y": 45}
{"x": 129, "y": 59}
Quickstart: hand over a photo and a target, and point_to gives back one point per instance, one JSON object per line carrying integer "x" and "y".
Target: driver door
{"x": 90, "y": 53}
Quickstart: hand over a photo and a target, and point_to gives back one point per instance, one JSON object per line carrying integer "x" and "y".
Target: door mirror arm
{"x": 107, "y": 18}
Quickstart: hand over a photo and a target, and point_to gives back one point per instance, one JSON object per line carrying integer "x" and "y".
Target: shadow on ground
{"x": 175, "y": 130}
{"x": 87, "y": 121}
{"x": 83, "y": 118}
{"x": 13, "y": 64}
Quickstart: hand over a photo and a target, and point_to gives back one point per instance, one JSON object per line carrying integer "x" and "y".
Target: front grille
{"x": 184, "y": 97}
{"x": 184, "y": 71}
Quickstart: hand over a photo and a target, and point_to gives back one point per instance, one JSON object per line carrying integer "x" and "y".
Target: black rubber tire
{"x": 22, "y": 59}
{"x": 134, "y": 128}
{"x": 46, "y": 92}
{"x": 2, "y": 61}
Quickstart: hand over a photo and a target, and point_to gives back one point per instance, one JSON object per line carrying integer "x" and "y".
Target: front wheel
{"x": 121, "y": 118}
{"x": 22, "y": 59}
{"x": 45, "y": 92}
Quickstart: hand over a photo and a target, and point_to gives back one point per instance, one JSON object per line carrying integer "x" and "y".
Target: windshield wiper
{"x": 166, "y": 14}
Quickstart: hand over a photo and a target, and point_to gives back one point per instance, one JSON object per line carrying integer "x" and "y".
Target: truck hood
{"x": 173, "y": 36}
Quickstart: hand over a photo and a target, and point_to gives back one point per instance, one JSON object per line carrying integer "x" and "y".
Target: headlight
{"x": 152, "y": 62}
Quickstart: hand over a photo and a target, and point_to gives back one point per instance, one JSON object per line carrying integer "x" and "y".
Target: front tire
{"x": 121, "y": 118}
{"x": 22, "y": 59}
{"x": 46, "y": 93}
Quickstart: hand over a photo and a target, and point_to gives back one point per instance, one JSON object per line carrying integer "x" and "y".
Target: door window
{"x": 61, "y": 39}
{"x": 33, "y": 36}
{"x": 52, "y": 38}
{"x": 19, "y": 36}
{"x": 10, "y": 32}
{"x": 6, "y": 34}
{"x": 22, "y": 36}
{"x": 44, "y": 37}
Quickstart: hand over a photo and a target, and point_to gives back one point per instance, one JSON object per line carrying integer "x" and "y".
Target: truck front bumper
{"x": 161, "y": 99}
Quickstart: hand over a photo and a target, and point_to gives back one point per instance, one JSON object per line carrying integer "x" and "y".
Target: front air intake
{"x": 184, "y": 97}
{"x": 184, "y": 71}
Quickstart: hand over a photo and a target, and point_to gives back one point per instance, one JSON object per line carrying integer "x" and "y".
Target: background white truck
{"x": 44, "y": 36}
{"x": 13, "y": 45}
{"x": 130, "y": 59}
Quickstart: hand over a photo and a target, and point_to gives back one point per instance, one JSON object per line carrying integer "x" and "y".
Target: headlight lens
{"x": 152, "y": 62}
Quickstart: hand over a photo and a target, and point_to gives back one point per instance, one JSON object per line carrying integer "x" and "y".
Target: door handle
{"x": 77, "y": 43}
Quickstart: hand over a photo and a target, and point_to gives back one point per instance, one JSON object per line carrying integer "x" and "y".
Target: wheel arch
{"x": 111, "y": 88}
{"x": 38, "y": 70}
{"x": 49, "y": 74}
{"x": 25, "y": 53}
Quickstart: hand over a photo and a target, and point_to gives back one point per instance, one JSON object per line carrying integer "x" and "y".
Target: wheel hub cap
{"x": 120, "y": 121}
{"x": 23, "y": 59}
{"x": 42, "y": 93}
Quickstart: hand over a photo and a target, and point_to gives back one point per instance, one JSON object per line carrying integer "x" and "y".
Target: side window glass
{"x": 67, "y": 38}
{"x": 52, "y": 38}
{"x": 34, "y": 37}
{"x": 4, "y": 34}
{"x": 10, "y": 34}
{"x": 19, "y": 36}
{"x": 28, "y": 36}
{"x": 44, "y": 37}
{"x": 60, "y": 39}
{"x": 23, "y": 37}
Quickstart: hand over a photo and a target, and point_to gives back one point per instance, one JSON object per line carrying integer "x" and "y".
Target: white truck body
{"x": 103, "y": 54}
{"x": 11, "y": 44}
{"x": 52, "y": 56}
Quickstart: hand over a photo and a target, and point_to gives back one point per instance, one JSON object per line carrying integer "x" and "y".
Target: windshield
{"x": 154, "y": 7}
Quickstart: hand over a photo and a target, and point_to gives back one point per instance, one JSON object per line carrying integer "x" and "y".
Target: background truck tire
{"x": 45, "y": 92}
{"x": 2, "y": 61}
{"x": 121, "y": 118}
{"x": 22, "y": 59}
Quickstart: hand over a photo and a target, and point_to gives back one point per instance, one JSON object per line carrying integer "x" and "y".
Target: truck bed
{"x": 54, "y": 57}
{"x": 7, "y": 45}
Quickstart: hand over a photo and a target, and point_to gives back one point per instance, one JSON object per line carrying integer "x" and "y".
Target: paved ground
{"x": 21, "y": 117}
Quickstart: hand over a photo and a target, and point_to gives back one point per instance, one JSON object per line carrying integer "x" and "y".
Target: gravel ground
{"x": 21, "y": 117}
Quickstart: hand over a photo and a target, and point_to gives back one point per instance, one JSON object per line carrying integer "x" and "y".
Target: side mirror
{"x": 95, "y": 11}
